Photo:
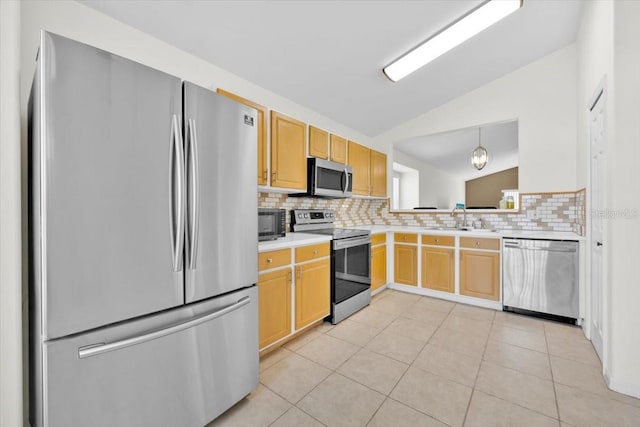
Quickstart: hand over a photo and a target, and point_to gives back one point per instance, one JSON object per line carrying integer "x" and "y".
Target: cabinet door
{"x": 338, "y": 149}
{"x": 438, "y": 269}
{"x": 312, "y": 292}
{"x": 359, "y": 159}
{"x": 318, "y": 143}
{"x": 378, "y": 266}
{"x": 378, "y": 174}
{"x": 274, "y": 306}
{"x": 480, "y": 274}
{"x": 262, "y": 133}
{"x": 406, "y": 264}
{"x": 288, "y": 152}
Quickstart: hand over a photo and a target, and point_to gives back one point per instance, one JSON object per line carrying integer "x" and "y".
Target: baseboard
{"x": 623, "y": 387}
{"x": 479, "y": 302}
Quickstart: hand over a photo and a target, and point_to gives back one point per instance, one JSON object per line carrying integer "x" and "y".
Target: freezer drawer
{"x": 178, "y": 368}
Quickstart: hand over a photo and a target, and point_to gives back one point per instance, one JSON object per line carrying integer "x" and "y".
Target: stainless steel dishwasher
{"x": 540, "y": 277}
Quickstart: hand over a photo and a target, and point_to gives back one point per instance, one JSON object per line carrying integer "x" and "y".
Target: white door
{"x": 597, "y": 140}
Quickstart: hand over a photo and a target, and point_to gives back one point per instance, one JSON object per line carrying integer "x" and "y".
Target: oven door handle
{"x": 349, "y": 243}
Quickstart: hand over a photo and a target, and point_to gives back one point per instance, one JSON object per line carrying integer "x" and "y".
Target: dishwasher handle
{"x": 517, "y": 245}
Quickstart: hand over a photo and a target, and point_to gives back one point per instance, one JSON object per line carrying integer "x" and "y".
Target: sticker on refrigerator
{"x": 248, "y": 120}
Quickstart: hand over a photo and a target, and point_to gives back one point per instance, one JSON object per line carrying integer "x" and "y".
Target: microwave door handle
{"x": 346, "y": 184}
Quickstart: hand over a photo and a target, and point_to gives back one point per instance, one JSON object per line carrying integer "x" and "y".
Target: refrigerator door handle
{"x": 99, "y": 348}
{"x": 193, "y": 199}
{"x": 176, "y": 211}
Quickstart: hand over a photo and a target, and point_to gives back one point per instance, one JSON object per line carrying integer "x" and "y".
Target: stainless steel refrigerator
{"x": 143, "y": 244}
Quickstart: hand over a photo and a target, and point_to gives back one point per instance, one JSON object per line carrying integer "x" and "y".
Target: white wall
{"x": 10, "y": 218}
{"x": 541, "y": 96}
{"x": 436, "y": 188}
{"x": 624, "y": 179}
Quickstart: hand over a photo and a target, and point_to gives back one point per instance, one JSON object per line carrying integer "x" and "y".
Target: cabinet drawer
{"x": 273, "y": 259}
{"x": 480, "y": 243}
{"x": 429, "y": 239}
{"x": 376, "y": 239}
{"x": 305, "y": 253}
{"x": 405, "y": 237}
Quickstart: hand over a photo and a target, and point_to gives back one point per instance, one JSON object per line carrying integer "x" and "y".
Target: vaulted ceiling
{"x": 328, "y": 55}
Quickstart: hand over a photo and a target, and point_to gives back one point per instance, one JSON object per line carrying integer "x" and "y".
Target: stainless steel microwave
{"x": 272, "y": 223}
{"x": 328, "y": 179}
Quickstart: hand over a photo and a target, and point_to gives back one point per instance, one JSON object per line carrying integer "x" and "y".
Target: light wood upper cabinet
{"x": 338, "y": 149}
{"x": 369, "y": 170}
{"x": 274, "y": 306}
{"x": 359, "y": 158}
{"x": 262, "y": 133}
{"x": 438, "y": 268}
{"x": 405, "y": 264}
{"x": 378, "y": 174}
{"x": 378, "y": 266}
{"x": 312, "y": 291}
{"x": 480, "y": 274}
{"x": 318, "y": 142}
{"x": 288, "y": 152}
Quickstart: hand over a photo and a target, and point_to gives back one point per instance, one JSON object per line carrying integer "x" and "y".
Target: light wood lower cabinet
{"x": 405, "y": 264}
{"x": 480, "y": 274}
{"x": 293, "y": 286}
{"x": 438, "y": 268}
{"x": 378, "y": 266}
{"x": 274, "y": 306}
{"x": 312, "y": 291}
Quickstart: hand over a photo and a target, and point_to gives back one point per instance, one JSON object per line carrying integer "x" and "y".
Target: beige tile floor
{"x": 408, "y": 360}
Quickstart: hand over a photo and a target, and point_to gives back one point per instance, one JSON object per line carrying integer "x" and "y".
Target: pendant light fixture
{"x": 480, "y": 156}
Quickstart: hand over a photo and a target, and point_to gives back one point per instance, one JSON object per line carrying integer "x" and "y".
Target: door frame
{"x": 601, "y": 92}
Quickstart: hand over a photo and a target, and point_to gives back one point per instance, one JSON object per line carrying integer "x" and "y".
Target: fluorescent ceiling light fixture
{"x": 468, "y": 26}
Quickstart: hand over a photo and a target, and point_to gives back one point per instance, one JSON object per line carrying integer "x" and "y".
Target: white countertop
{"x": 292, "y": 240}
{"x": 521, "y": 234}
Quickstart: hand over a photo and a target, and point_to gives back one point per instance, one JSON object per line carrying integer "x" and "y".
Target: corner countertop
{"x": 292, "y": 240}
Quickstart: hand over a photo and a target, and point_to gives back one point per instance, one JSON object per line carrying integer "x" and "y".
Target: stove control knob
{"x": 299, "y": 215}
{"x": 306, "y": 215}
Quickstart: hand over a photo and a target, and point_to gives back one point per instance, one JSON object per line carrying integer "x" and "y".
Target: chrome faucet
{"x": 464, "y": 214}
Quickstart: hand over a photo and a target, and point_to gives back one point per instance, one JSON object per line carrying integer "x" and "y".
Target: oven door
{"x": 351, "y": 268}
{"x": 330, "y": 179}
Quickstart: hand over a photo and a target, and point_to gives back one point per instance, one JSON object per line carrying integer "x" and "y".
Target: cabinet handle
{"x": 290, "y": 276}
{"x": 477, "y": 243}
{"x": 315, "y": 252}
{"x": 264, "y": 174}
{"x": 299, "y": 273}
{"x": 404, "y": 238}
{"x": 274, "y": 176}
{"x": 269, "y": 260}
{"x": 437, "y": 240}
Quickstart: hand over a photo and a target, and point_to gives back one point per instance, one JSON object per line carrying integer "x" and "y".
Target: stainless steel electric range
{"x": 350, "y": 260}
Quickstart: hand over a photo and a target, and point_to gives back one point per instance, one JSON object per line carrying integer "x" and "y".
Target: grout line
{"x": 553, "y": 382}
{"x": 475, "y": 382}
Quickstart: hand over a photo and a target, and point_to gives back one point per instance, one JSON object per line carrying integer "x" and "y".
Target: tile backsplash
{"x": 541, "y": 211}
